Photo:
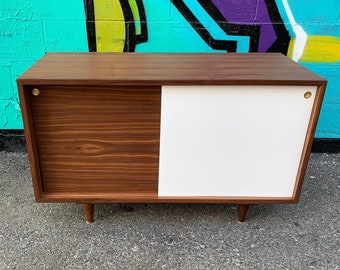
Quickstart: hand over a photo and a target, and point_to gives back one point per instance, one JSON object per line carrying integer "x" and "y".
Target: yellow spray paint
{"x": 319, "y": 49}
{"x": 135, "y": 12}
{"x": 110, "y": 26}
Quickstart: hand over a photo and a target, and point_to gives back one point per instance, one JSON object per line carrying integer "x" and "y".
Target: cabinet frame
{"x": 152, "y": 71}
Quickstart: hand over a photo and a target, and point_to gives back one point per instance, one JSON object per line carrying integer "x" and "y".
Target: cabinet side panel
{"x": 309, "y": 139}
{"x": 98, "y": 139}
{"x": 30, "y": 136}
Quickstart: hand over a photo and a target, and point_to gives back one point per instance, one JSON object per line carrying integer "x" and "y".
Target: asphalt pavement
{"x": 170, "y": 236}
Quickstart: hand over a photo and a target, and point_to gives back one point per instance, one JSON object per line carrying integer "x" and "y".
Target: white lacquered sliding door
{"x": 243, "y": 141}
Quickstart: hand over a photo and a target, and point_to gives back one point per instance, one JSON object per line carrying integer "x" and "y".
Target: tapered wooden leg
{"x": 242, "y": 212}
{"x": 89, "y": 212}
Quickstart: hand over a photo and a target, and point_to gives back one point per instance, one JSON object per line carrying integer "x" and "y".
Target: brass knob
{"x": 307, "y": 94}
{"x": 35, "y": 92}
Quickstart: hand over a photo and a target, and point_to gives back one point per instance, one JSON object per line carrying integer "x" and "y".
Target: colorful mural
{"x": 119, "y": 25}
{"x": 115, "y": 25}
{"x": 260, "y": 21}
{"x": 261, "y": 24}
{"x": 306, "y": 31}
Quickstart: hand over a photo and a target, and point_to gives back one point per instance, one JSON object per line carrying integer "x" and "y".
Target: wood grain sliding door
{"x": 98, "y": 139}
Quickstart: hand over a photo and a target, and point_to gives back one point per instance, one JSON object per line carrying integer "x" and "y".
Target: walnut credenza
{"x": 162, "y": 128}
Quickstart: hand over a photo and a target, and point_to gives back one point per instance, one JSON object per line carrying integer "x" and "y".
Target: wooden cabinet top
{"x": 168, "y": 69}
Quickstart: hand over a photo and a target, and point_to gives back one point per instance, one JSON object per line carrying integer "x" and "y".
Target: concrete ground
{"x": 170, "y": 236}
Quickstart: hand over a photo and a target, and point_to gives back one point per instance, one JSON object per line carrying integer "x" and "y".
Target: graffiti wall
{"x": 306, "y": 31}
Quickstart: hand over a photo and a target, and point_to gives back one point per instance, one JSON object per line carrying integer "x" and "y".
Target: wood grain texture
{"x": 149, "y": 197}
{"x": 31, "y": 142}
{"x": 98, "y": 139}
{"x": 168, "y": 69}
